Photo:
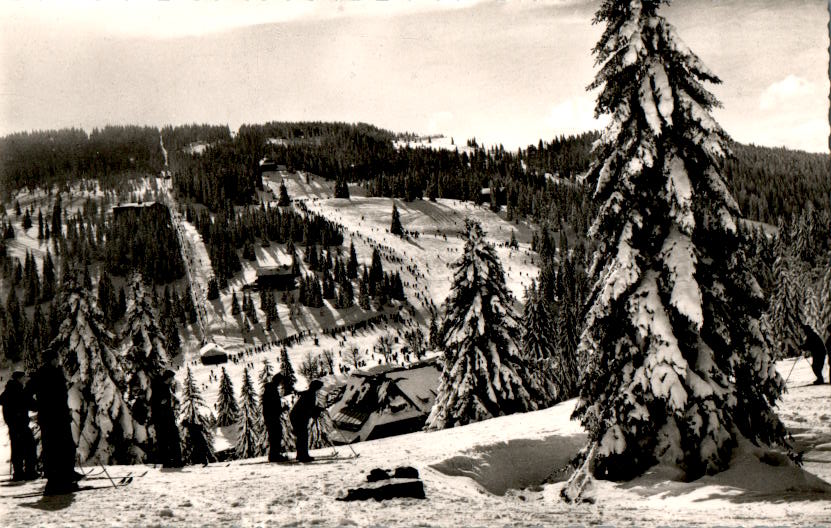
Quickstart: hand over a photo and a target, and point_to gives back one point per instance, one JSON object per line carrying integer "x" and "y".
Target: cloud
{"x": 791, "y": 112}
{"x": 178, "y": 18}
{"x": 790, "y": 90}
{"x": 574, "y": 115}
{"x": 439, "y": 122}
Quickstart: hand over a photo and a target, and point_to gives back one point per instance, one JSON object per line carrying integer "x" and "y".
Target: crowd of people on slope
{"x": 46, "y": 393}
{"x": 381, "y": 319}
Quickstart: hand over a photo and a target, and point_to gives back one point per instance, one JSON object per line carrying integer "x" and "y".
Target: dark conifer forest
{"x": 539, "y": 182}
{"x": 142, "y": 238}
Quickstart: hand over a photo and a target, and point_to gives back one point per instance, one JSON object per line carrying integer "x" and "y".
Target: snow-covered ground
{"x": 440, "y": 228}
{"x": 472, "y": 477}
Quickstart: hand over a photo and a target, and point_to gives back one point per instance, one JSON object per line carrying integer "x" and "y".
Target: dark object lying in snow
{"x": 404, "y": 483}
{"x": 405, "y": 472}
{"x": 377, "y": 474}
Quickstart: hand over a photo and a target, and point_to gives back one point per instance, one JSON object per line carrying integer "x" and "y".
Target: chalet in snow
{"x": 274, "y": 272}
{"x": 385, "y": 401}
{"x": 212, "y": 354}
{"x": 273, "y": 278}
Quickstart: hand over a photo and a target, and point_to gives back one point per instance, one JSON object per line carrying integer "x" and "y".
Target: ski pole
{"x": 792, "y": 367}
{"x": 342, "y": 439}
{"x": 108, "y": 476}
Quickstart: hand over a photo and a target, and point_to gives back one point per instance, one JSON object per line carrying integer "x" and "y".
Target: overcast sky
{"x": 506, "y": 72}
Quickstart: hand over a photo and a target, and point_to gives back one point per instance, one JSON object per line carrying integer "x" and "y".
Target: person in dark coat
{"x": 813, "y": 345}
{"x": 16, "y": 402}
{"x": 48, "y": 386}
{"x": 305, "y": 410}
{"x": 163, "y": 418}
{"x": 828, "y": 349}
{"x": 272, "y": 413}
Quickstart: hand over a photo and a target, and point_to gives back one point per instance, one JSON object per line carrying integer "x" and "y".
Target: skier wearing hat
{"x": 272, "y": 412}
{"x": 48, "y": 386}
{"x": 305, "y": 410}
{"x": 16, "y": 402}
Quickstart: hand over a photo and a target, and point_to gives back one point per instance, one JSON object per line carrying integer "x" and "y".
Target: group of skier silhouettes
{"x": 46, "y": 393}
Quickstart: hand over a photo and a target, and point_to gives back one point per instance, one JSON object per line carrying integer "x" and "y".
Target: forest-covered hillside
{"x": 767, "y": 182}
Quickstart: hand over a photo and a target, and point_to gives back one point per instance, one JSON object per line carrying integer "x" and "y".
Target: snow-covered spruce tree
{"x": 287, "y": 370}
{"x": 227, "y": 411}
{"x": 284, "y": 199}
{"x": 678, "y": 366}
{"x": 482, "y": 374}
{"x": 784, "y": 312}
{"x": 250, "y": 420}
{"x": 263, "y": 377}
{"x": 395, "y": 223}
{"x": 145, "y": 356}
{"x": 197, "y": 437}
{"x": 554, "y": 373}
{"x": 102, "y": 424}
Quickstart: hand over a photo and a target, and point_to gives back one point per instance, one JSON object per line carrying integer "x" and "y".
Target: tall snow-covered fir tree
{"x": 263, "y": 377}
{"x": 678, "y": 366}
{"x": 482, "y": 374}
{"x": 283, "y": 199}
{"x": 227, "y": 411}
{"x": 250, "y": 420}
{"x": 145, "y": 356}
{"x": 287, "y": 370}
{"x": 197, "y": 437}
{"x": 784, "y": 313}
{"x": 785, "y": 310}
{"x": 555, "y": 373}
{"x": 395, "y": 224}
{"x": 102, "y": 424}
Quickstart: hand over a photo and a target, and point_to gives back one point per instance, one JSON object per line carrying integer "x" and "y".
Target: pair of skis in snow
{"x": 115, "y": 482}
{"x": 336, "y": 457}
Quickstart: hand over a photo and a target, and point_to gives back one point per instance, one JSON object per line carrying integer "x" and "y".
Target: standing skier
{"x": 813, "y": 344}
{"x": 49, "y": 389}
{"x": 272, "y": 410}
{"x": 15, "y": 402}
{"x": 168, "y": 442}
{"x": 304, "y": 410}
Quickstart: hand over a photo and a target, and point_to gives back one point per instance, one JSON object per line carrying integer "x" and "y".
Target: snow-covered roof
{"x": 384, "y": 397}
{"x": 211, "y": 349}
{"x": 132, "y": 205}
{"x": 418, "y": 386}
